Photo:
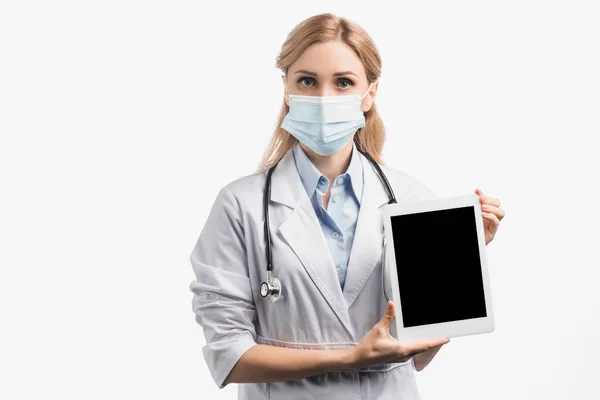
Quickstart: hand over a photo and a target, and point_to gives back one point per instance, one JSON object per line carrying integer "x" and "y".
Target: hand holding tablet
{"x": 436, "y": 263}
{"x": 377, "y": 346}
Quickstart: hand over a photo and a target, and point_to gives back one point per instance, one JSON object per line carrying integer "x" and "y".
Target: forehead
{"x": 327, "y": 58}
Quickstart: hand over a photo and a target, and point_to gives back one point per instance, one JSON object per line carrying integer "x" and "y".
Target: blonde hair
{"x": 322, "y": 28}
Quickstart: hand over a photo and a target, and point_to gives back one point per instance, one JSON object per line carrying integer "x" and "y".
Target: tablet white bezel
{"x": 446, "y": 329}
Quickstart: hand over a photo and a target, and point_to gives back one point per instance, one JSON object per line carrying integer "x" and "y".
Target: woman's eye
{"x": 303, "y": 79}
{"x": 349, "y": 82}
{"x": 306, "y": 81}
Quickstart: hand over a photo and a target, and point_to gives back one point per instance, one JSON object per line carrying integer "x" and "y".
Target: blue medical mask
{"x": 324, "y": 123}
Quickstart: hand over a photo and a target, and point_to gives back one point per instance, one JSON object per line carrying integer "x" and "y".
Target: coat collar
{"x": 304, "y": 234}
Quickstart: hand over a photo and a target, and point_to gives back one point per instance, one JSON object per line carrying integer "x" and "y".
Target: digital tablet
{"x": 435, "y": 260}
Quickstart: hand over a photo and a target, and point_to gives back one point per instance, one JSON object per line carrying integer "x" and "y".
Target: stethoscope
{"x": 272, "y": 288}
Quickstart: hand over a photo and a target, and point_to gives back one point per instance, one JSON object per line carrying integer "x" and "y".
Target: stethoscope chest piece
{"x": 271, "y": 291}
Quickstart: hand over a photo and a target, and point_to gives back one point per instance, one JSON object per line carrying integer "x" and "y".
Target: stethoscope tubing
{"x": 271, "y": 289}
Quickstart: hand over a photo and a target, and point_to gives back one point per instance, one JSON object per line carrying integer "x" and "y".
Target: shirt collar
{"x": 310, "y": 175}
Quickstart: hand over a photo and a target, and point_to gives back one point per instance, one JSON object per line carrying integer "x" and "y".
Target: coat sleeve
{"x": 428, "y": 193}
{"x": 222, "y": 301}
{"x": 408, "y": 186}
{"x": 423, "y": 191}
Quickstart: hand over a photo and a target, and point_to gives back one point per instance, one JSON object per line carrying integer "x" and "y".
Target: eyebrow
{"x": 303, "y": 71}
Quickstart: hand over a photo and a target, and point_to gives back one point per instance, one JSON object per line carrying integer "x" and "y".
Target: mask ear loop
{"x": 365, "y": 95}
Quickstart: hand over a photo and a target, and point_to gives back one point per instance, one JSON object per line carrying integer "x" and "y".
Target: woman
{"x": 328, "y": 335}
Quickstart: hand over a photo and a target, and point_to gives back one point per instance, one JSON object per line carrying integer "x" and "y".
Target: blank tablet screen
{"x": 438, "y": 264}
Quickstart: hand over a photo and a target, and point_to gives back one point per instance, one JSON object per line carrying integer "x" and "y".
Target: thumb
{"x": 389, "y": 315}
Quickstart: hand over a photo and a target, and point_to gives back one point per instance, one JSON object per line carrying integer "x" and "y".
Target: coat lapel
{"x": 367, "y": 245}
{"x": 302, "y": 231}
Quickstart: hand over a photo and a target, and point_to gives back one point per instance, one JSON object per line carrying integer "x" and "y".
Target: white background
{"x": 121, "y": 120}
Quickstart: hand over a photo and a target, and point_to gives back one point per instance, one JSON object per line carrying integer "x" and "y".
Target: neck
{"x": 333, "y": 165}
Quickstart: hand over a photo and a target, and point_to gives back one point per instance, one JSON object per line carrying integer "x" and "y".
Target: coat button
{"x": 338, "y": 269}
{"x": 334, "y": 235}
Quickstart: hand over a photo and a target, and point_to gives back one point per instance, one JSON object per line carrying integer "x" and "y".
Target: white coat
{"x": 313, "y": 312}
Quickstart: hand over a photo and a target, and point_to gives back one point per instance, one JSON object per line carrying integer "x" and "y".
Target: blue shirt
{"x": 338, "y": 221}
